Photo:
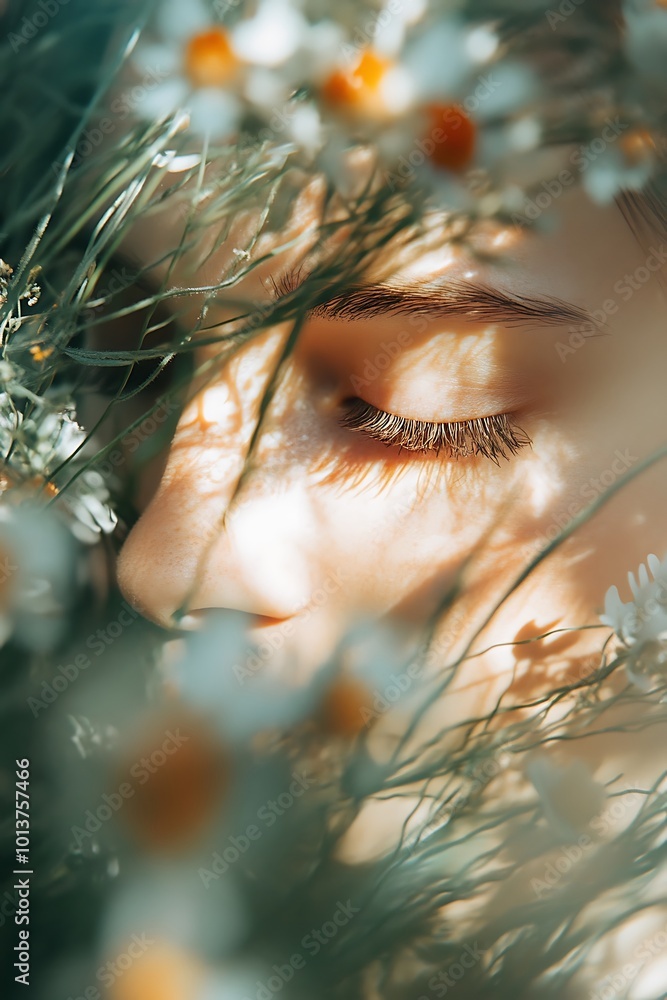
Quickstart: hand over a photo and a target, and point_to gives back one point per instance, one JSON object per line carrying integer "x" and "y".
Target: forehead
{"x": 574, "y": 246}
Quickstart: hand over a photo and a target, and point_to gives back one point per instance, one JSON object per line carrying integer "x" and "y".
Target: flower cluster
{"x": 39, "y": 434}
{"x": 443, "y": 96}
{"x": 29, "y": 294}
{"x": 183, "y": 759}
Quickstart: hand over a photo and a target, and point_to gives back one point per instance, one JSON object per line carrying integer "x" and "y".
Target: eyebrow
{"x": 470, "y": 300}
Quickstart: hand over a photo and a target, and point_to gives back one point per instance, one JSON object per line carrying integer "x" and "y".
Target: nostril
{"x": 192, "y": 621}
{"x": 266, "y": 621}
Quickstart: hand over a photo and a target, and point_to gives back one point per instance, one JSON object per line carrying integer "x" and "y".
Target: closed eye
{"x": 493, "y": 437}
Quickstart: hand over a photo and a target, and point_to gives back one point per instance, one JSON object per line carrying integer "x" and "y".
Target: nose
{"x": 193, "y": 550}
{"x": 186, "y": 555}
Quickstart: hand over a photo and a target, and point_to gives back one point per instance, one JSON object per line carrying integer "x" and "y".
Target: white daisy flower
{"x": 641, "y": 624}
{"x": 214, "y": 72}
{"x": 41, "y": 443}
{"x": 644, "y": 619}
{"x": 196, "y": 67}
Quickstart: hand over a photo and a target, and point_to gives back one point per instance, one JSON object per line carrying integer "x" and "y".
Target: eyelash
{"x": 492, "y": 437}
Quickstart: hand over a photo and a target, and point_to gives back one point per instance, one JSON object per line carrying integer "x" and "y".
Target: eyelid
{"x": 494, "y": 437}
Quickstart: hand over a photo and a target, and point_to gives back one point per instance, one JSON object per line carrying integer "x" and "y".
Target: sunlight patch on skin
{"x": 220, "y": 468}
{"x": 455, "y": 376}
{"x": 218, "y": 408}
{"x": 640, "y": 936}
{"x": 430, "y": 264}
{"x": 538, "y": 487}
{"x": 541, "y": 475}
{"x": 271, "y": 552}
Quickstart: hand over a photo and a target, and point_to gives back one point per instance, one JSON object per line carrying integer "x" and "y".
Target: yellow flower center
{"x": 359, "y": 89}
{"x": 41, "y": 353}
{"x": 637, "y": 145}
{"x": 210, "y": 60}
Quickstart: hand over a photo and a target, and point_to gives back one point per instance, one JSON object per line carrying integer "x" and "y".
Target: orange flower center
{"x": 451, "y": 137}
{"x": 359, "y": 89}
{"x": 210, "y": 60}
{"x": 163, "y": 972}
{"x": 346, "y": 707}
{"x": 178, "y": 787}
{"x": 41, "y": 353}
{"x": 637, "y": 145}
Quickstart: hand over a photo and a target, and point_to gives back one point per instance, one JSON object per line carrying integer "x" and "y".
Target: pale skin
{"x": 325, "y": 499}
{"x": 383, "y": 533}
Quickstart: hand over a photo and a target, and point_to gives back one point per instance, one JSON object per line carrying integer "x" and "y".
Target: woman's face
{"x": 331, "y": 525}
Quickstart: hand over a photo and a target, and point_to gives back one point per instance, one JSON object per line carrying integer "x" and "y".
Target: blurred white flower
{"x": 167, "y": 902}
{"x": 645, "y": 23}
{"x": 612, "y": 172}
{"x": 272, "y": 35}
{"x": 216, "y": 73}
{"x": 197, "y": 69}
{"x": 439, "y": 60}
{"x": 37, "y": 568}
{"x": 218, "y": 673}
{"x": 234, "y": 980}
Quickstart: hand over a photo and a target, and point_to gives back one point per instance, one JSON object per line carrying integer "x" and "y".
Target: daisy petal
{"x": 272, "y": 36}
{"x": 177, "y": 20}
{"x": 158, "y": 60}
{"x": 613, "y": 609}
{"x": 654, "y": 565}
{"x": 163, "y": 101}
{"x": 214, "y": 112}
